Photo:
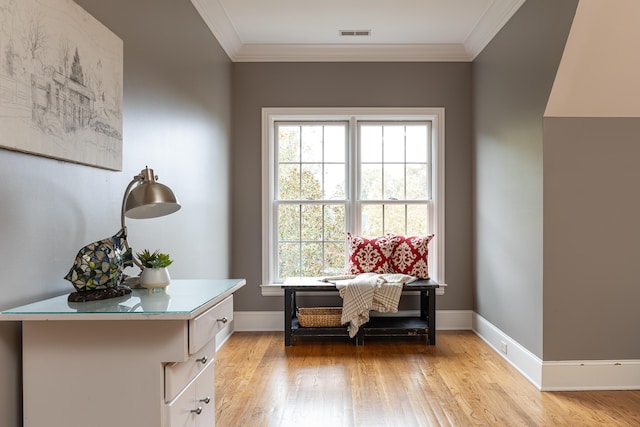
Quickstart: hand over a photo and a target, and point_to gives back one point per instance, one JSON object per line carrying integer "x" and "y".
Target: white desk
{"x": 137, "y": 360}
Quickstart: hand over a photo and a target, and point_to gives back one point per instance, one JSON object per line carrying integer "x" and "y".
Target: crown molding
{"x": 220, "y": 25}
{"x": 494, "y": 18}
{"x": 351, "y": 53}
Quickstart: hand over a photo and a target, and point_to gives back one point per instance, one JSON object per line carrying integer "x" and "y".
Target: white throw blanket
{"x": 368, "y": 291}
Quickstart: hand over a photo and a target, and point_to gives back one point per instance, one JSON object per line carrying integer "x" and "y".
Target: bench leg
{"x": 288, "y": 315}
{"x": 432, "y": 317}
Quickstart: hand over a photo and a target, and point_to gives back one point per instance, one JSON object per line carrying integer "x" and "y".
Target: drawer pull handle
{"x": 223, "y": 320}
{"x": 197, "y": 411}
{"x": 206, "y": 400}
{"x": 202, "y": 360}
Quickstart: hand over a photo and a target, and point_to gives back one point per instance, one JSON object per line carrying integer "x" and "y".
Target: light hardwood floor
{"x": 395, "y": 382}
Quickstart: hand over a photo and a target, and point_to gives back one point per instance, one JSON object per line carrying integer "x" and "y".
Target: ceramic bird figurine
{"x": 100, "y": 265}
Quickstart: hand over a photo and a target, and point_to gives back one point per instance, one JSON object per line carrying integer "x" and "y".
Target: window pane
{"x": 417, "y": 143}
{"x": 311, "y": 182}
{"x": 288, "y": 182}
{"x": 288, "y": 260}
{"x": 417, "y": 220}
{"x": 393, "y": 143}
{"x": 393, "y": 182}
{"x": 334, "y": 182}
{"x": 312, "y": 259}
{"x": 371, "y": 182}
{"x": 417, "y": 182}
{"x": 308, "y": 253}
{"x": 311, "y": 222}
{"x": 371, "y": 220}
{"x": 335, "y": 143}
{"x": 371, "y": 143}
{"x": 334, "y": 222}
{"x": 394, "y": 219}
{"x": 311, "y": 142}
{"x": 334, "y": 259}
{"x": 288, "y": 143}
{"x": 289, "y": 222}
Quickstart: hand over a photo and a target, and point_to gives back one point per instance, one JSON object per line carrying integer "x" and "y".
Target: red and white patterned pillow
{"x": 370, "y": 255}
{"x": 410, "y": 256}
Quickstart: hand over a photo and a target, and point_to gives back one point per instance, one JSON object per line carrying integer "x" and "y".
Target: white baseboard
{"x": 570, "y": 375}
{"x": 454, "y": 320}
{"x": 258, "y": 321}
{"x": 591, "y": 375}
{"x": 527, "y": 363}
{"x": 254, "y": 321}
{"x": 224, "y": 334}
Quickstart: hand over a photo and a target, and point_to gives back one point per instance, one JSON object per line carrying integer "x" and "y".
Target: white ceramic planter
{"x": 152, "y": 278}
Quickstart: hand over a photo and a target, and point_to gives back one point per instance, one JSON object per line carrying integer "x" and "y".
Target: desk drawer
{"x": 195, "y": 405}
{"x": 204, "y": 328}
{"x": 178, "y": 375}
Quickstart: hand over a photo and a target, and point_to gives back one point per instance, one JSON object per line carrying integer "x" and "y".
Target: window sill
{"x": 275, "y": 290}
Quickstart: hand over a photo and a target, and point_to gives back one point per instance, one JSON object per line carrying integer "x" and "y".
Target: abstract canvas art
{"x": 60, "y": 83}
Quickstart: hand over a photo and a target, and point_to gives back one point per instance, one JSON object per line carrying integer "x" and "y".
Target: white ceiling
{"x": 401, "y": 30}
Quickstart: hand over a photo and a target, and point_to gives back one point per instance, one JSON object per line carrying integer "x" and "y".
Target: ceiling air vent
{"x": 355, "y": 33}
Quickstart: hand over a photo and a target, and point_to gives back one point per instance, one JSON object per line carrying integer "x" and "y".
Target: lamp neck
{"x": 135, "y": 180}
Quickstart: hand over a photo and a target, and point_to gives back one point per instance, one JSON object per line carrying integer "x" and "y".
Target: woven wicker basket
{"x": 319, "y": 317}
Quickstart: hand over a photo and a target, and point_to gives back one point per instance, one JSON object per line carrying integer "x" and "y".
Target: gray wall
{"x": 591, "y": 251}
{"x": 177, "y": 120}
{"x": 257, "y": 85}
{"x": 512, "y": 79}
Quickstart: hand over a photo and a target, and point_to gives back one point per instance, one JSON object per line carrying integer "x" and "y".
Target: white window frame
{"x": 270, "y": 116}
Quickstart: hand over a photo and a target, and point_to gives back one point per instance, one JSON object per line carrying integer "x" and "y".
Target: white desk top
{"x": 183, "y": 299}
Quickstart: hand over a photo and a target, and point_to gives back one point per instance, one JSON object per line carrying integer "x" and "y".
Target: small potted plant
{"x": 154, "y": 271}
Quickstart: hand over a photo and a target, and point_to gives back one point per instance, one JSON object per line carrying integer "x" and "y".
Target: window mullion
{"x": 353, "y": 175}
{"x": 404, "y": 142}
{"x": 300, "y": 163}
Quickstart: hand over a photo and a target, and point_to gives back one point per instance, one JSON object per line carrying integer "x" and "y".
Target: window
{"x": 310, "y": 198}
{"x": 368, "y": 171}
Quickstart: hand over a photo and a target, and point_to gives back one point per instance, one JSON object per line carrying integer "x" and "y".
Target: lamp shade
{"x": 150, "y": 199}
